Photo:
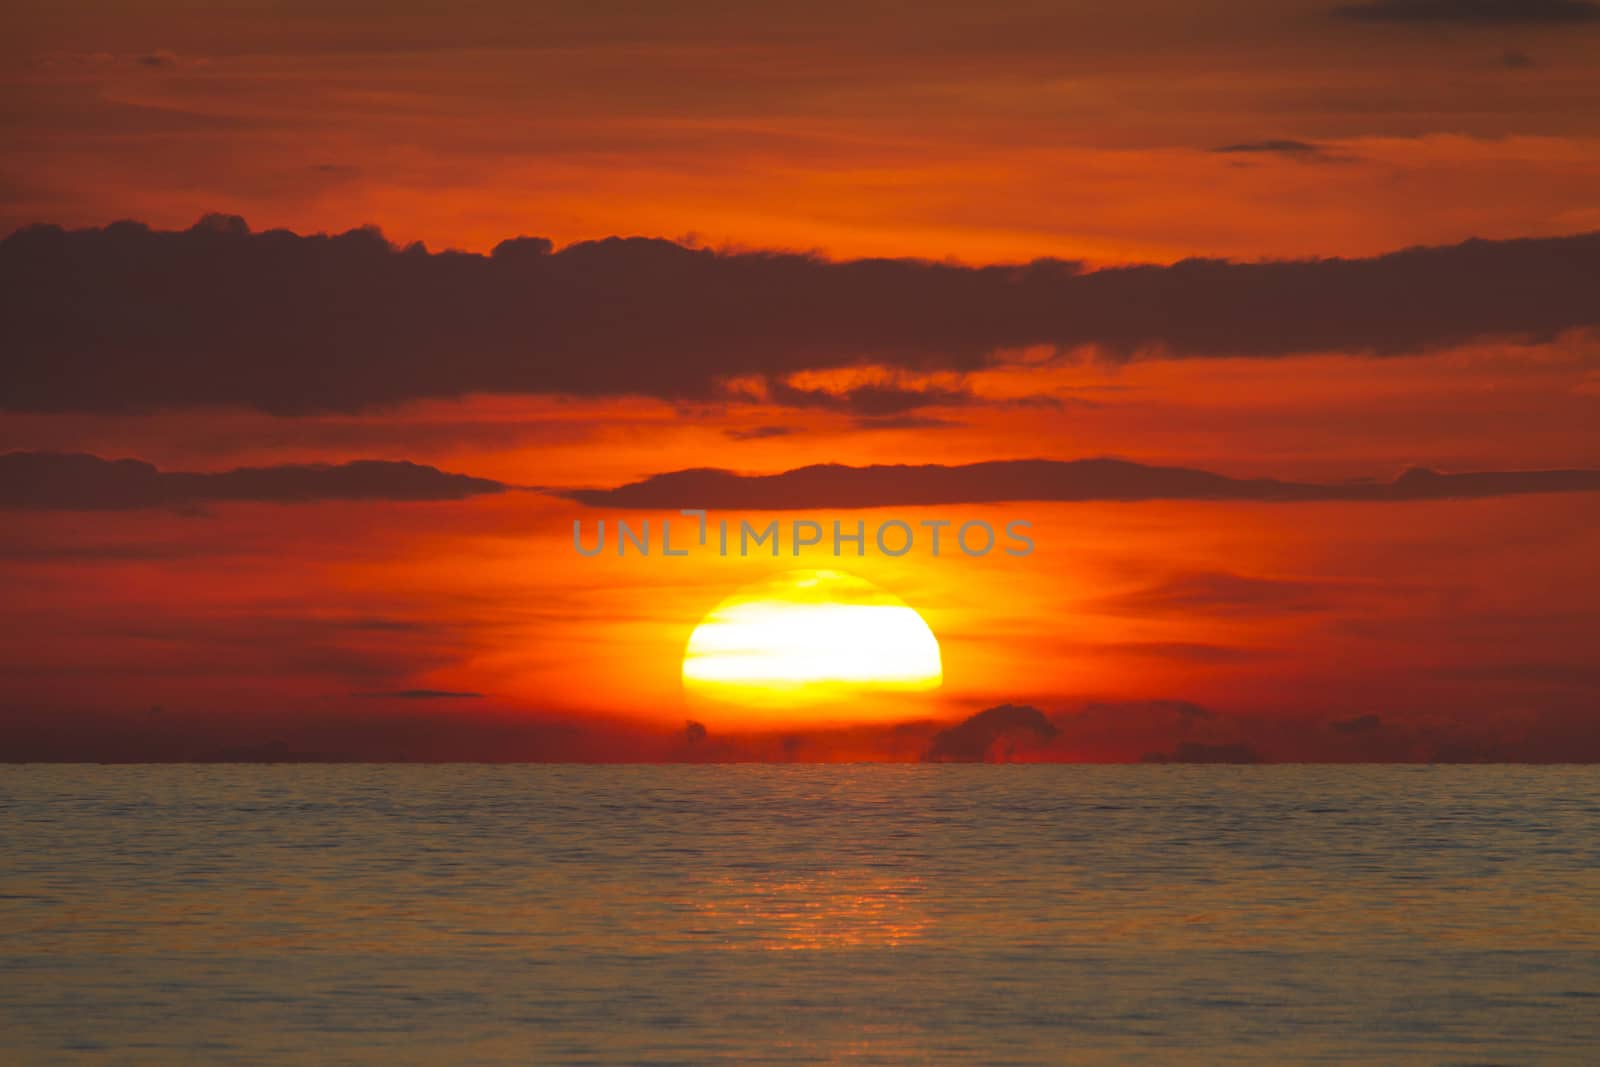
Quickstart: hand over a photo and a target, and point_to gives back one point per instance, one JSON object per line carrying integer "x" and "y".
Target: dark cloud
{"x": 1473, "y": 12}
{"x": 992, "y": 735}
{"x": 759, "y": 433}
{"x": 903, "y": 422}
{"x": 869, "y": 401}
{"x": 837, "y": 486}
{"x": 1302, "y": 151}
{"x": 41, "y": 480}
{"x": 425, "y": 694}
{"x": 129, "y": 319}
{"x": 1278, "y": 147}
{"x": 1516, "y": 59}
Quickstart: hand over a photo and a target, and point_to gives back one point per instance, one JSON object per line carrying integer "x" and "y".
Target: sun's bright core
{"x": 808, "y": 638}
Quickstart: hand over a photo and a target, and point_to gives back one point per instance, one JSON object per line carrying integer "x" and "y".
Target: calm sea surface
{"x": 463, "y": 915}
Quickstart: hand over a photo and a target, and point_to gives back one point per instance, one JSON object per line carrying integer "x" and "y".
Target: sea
{"x": 799, "y": 914}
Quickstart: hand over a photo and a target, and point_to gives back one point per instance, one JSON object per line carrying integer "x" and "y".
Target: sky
{"x": 1276, "y": 323}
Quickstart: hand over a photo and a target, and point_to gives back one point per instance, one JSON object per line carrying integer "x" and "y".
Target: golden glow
{"x": 807, "y": 638}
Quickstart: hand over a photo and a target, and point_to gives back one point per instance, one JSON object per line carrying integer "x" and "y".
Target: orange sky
{"x": 1149, "y": 133}
{"x": 1010, "y": 131}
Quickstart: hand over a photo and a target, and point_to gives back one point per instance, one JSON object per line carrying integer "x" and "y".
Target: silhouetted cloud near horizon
{"x": 1019, "y": 480}
{"x": 79, "y": 482}
{"x": 992, "y": 735}
{"x": 483, "y": 731}
{"x": 1473, "y": 12}
{"x": 128, "y": 319}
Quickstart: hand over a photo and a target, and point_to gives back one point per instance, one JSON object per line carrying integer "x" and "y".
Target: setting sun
{"x": 807, "y": 638}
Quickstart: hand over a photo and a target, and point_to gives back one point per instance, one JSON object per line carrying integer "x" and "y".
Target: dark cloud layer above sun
{"x": 1473, "y": 12}
{"x": 837, "y": 486}
{"x": 44, "y": 480}
{"x": 129, "y": 319}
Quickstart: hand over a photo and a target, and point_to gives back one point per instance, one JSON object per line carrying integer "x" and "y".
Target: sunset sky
{"x": 376, "y": 300}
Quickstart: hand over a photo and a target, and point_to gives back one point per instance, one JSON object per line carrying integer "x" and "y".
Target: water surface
{"x": 487, "y": 915}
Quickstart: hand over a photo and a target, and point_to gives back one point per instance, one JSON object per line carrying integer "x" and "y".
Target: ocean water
{"x": 990, "y": 915}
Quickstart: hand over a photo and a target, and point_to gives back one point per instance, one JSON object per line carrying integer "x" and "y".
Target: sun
{"x": 812, "y": 644}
